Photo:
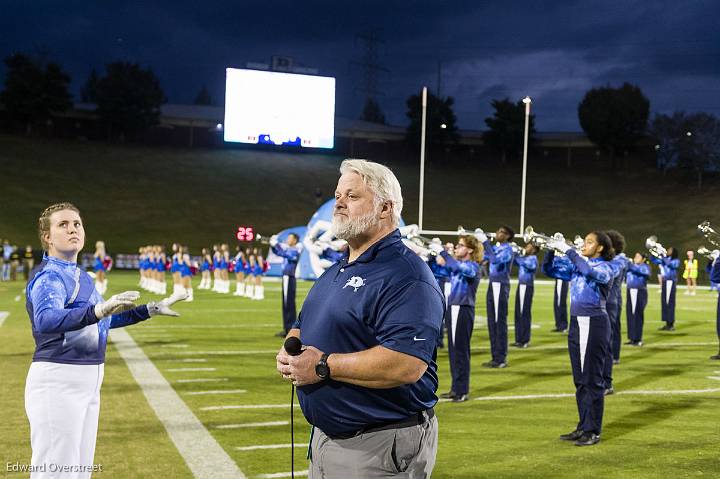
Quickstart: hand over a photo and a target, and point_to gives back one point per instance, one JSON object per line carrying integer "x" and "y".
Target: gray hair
{"x": 381, "y": 181}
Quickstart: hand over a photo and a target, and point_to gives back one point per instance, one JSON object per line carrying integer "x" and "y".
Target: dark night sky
{"x": 553, "y": 51}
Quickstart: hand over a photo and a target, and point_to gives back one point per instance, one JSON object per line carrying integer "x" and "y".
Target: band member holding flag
{"x": 715, "y": 278}
{"x": 290, "y": 252}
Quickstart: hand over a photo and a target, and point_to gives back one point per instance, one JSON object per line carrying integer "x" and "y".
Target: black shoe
{"x": 572, "y": 436}
{"x": 664, "y": 328}
{"x": 716, "y": 357}
{"x": 671, "y": 328}
{"x": 629, "y": 343}
{"x": 638, "y": 344}
{"x": 500, "y": 365}
{"x": 280, "y": 334}
{"x": 609, "y": 391}
{"x": 448, "y": 395}
{"x": 588, "y": 439}
{"x": 489, "y": 364}
{"x": 524, "y": 345}
{"x": 460, "y": 398}
{"x": 556, "y": 330}
{"x": 516, "y": 345}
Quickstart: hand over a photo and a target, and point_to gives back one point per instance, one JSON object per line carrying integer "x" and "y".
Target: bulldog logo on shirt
{"x": 355, "y": 282}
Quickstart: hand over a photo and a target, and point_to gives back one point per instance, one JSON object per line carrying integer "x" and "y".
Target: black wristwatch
{"x": 321, "y": 368}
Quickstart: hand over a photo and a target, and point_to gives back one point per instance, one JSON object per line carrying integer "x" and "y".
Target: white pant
{"x": 62, "y": 402}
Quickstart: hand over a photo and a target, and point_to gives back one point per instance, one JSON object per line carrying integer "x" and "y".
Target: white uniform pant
{"x": 62, "y": 402}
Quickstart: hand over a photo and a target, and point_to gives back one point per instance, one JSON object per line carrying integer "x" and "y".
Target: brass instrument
{"x": 262, "y": 239}
{"x": 541, "y": 240}
{"x": 656, "y": 249}
{"x": 709, "y": 232}
{"x": 462, "y": 231}
{"x": 703, "y": 251}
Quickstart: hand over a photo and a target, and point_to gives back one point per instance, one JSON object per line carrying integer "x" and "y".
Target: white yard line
{"x": 221, "y": 353}
{"x": 216, "y": 391}
{"x": 269, "y": 446}
{"x": 253, "y": 424}
{"x": 716, "y": 378}
{"x": 3, "y": 316}
{"x": 202, "y": 453}
{"x": 175, "y": 346}
{"x": 189, "y": 360}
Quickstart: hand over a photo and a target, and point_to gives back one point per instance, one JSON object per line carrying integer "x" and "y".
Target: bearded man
{"x": 367, "y": 376}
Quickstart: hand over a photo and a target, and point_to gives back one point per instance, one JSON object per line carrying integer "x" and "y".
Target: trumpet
{"x": 656, "y": 249}
{"x": 462, "y": 231}
{"x": 541, "y": 240}
{"x": 703, "y": 251}
{"x": 262, "y": 239}
{"x": 517, "y": 249}
{"x": 709, "y": 232}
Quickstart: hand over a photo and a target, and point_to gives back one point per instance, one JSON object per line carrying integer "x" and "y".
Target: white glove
{"x": 274, "y": 240}
{"x": 559, "y": 245}
{"x": 409, "y": 230}
{"x": 436, "y": 248}
{"x": 117, "y": 304}
{"x": 715, "y": 254}
{"x": 480, "y": 235}
{"x": 163, "y": 307}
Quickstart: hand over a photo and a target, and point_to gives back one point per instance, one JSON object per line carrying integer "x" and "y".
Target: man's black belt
{"x": 415, "y": 420}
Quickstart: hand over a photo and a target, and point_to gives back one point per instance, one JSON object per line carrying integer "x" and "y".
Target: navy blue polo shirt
{"x": 387, "y": 297}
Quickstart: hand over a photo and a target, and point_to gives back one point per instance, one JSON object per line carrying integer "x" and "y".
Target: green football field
{"x": 219, "y": 358}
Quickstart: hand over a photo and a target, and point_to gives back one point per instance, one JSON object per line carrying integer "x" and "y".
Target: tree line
{"x": 128, "y": 97}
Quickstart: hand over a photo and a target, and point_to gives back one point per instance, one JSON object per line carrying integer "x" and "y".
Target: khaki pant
{"x": 407, "y": 452}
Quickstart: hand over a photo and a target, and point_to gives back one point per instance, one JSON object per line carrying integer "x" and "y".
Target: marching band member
{"x": 325, "y": 248}
{"x": 690, "y": 272}
{"x": 527, "y": 265}
{"x": 560, "y": 295}
{"x": 619, "y": 265}
{"x": 500, "y": 257}
{"x": 669, "y": 264}
{"x": 589, "y": 334}
{"x": 70, "y": 323}
{"x": 460, "y": 314}
{"x": 290, "y": 252}
{"x": 100, "y": 268}
{"x": 441, "y": 272}
{"x": 715, "y": 278}
{"x": 637, "y": 276}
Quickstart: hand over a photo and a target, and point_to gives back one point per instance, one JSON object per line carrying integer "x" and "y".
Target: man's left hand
{"x": 300, "y": 369}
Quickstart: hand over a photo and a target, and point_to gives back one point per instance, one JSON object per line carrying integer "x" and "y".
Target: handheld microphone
{"x": 293, "y": 346}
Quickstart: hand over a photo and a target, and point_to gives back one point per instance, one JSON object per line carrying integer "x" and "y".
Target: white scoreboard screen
{"x": 263, "y": 107}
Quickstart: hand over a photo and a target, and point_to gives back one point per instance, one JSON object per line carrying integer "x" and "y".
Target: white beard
{"x": 353, "y": 227}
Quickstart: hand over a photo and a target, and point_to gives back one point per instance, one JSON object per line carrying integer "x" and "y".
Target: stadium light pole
{"x": 527, "y": 102}
{"x": 422, "y": 158}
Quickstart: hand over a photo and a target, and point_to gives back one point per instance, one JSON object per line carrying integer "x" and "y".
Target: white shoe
{"x": 249, "y": 291}
{"x": 259, "y": 292}
{"x": 190, "y": 294}
{"x": 163, "y": 289}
